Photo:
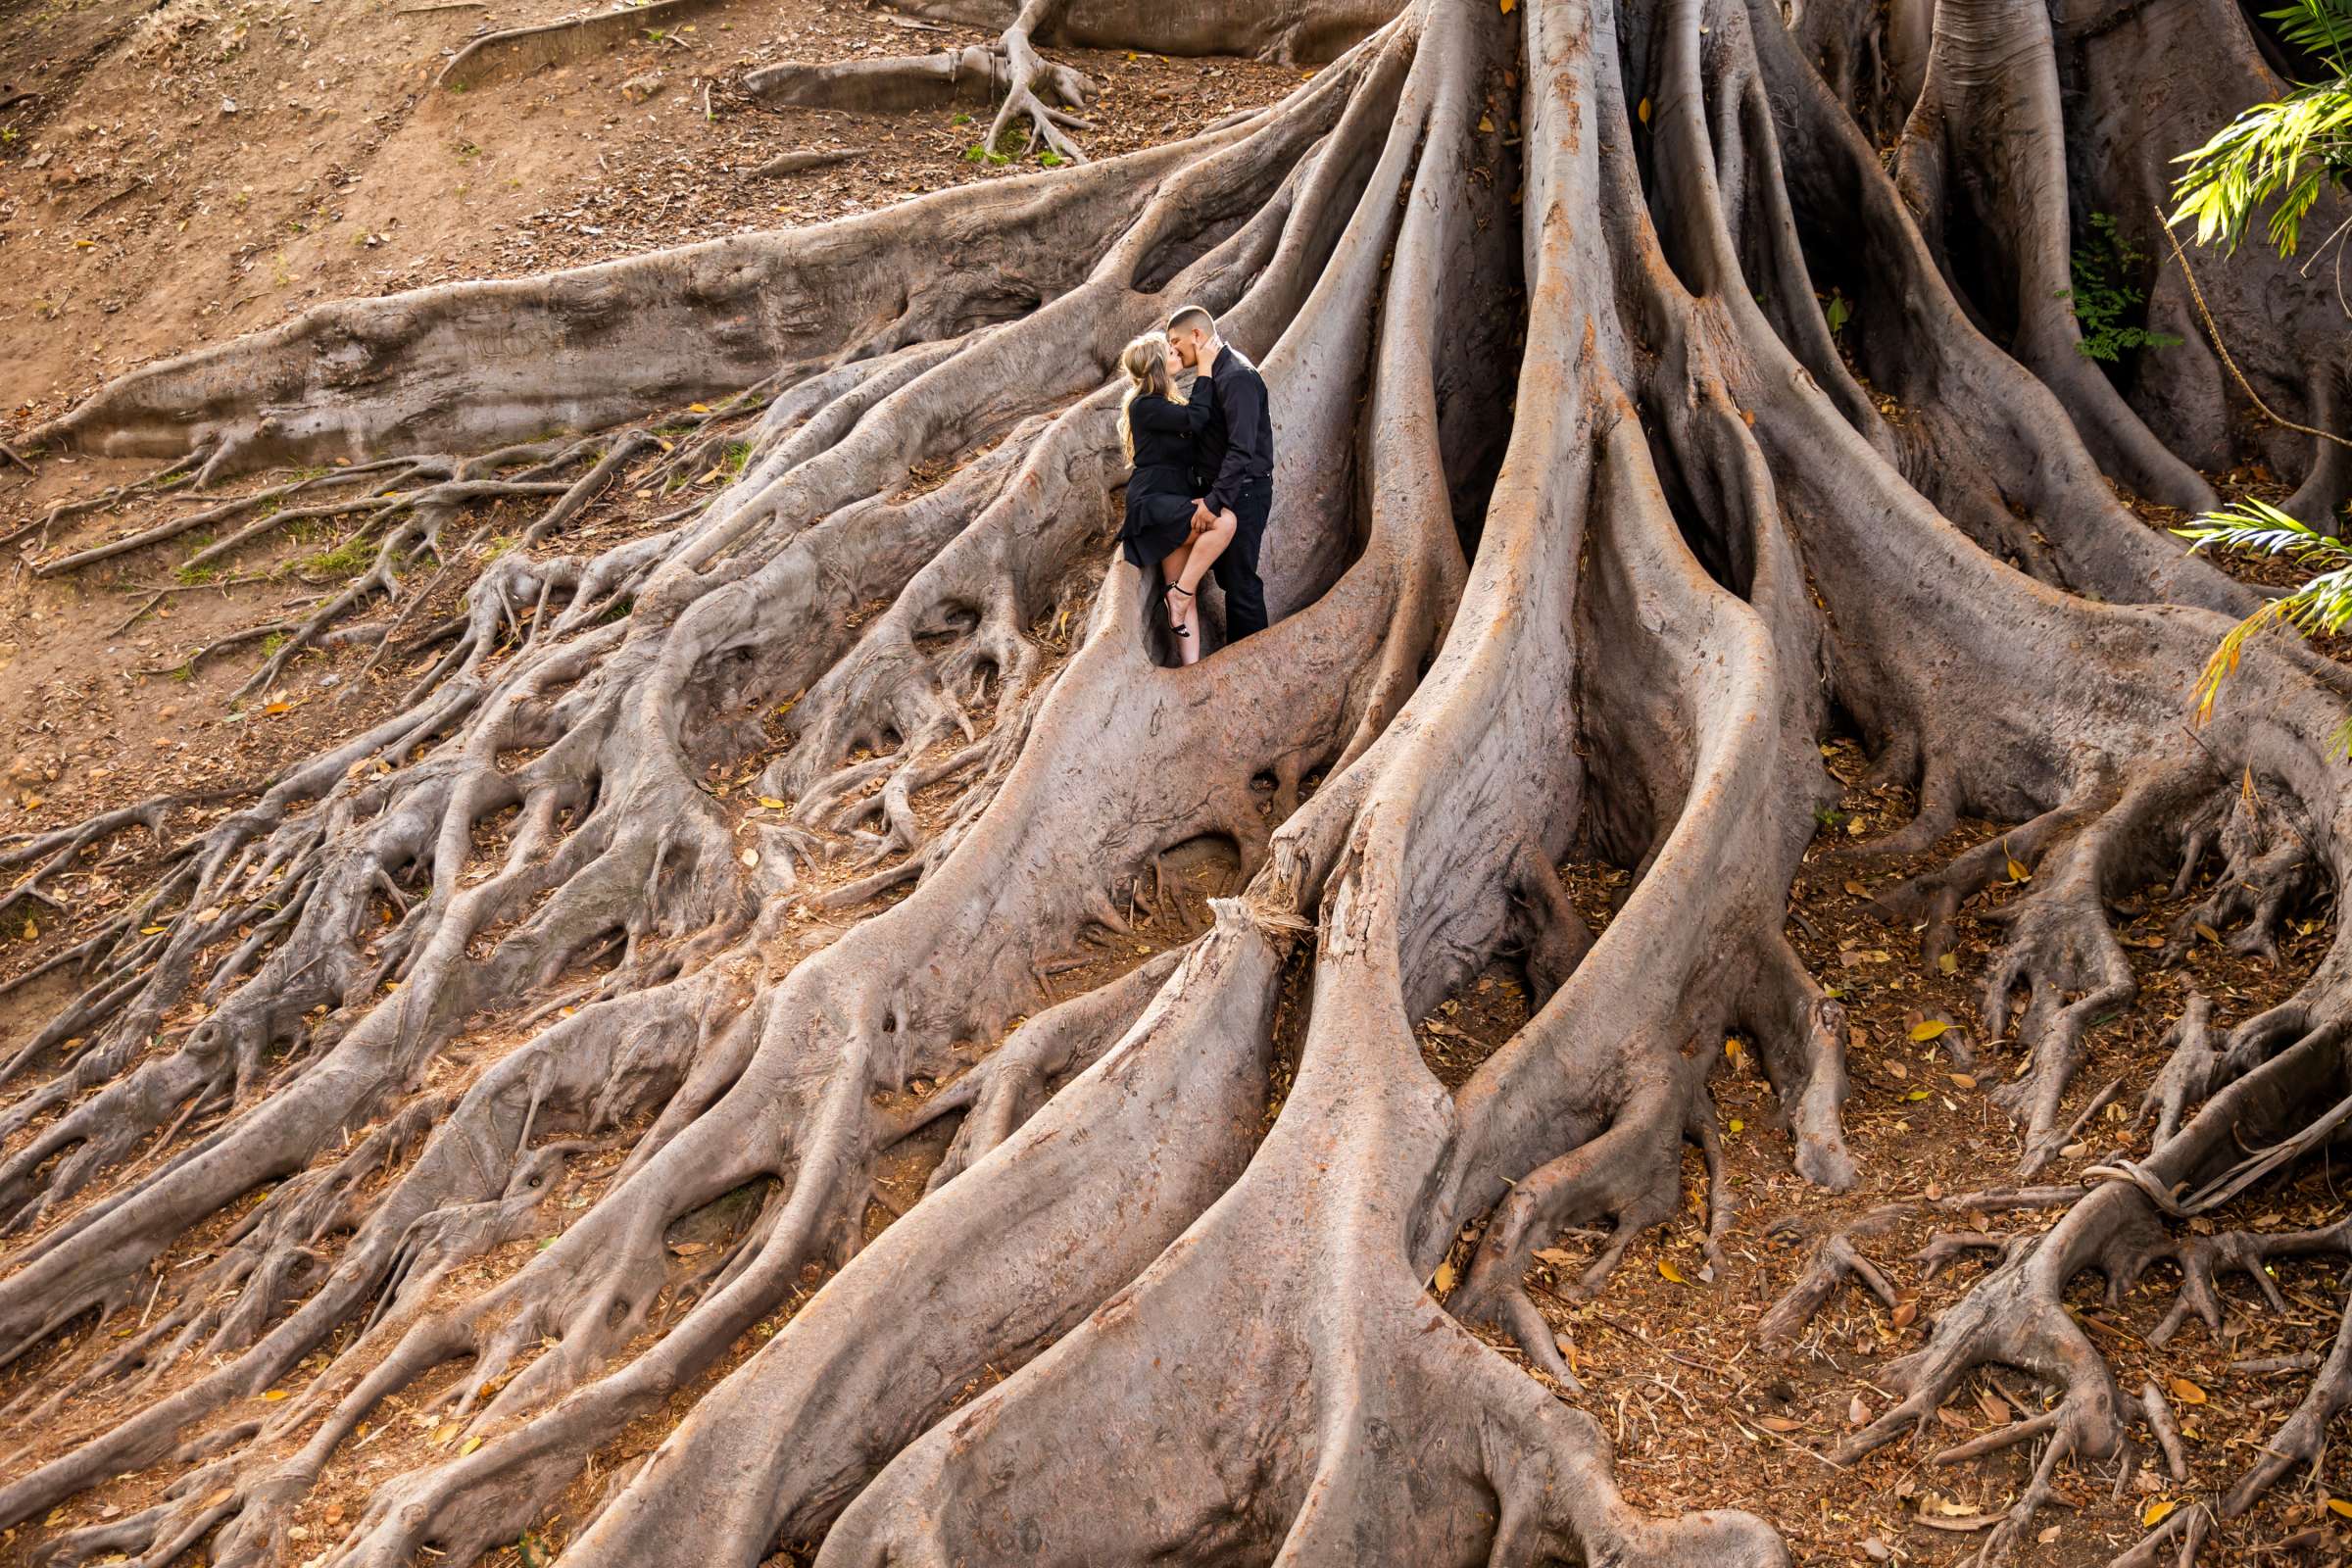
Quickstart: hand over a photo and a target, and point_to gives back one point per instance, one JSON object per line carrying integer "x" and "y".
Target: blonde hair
{"x": 1145, "y": 362}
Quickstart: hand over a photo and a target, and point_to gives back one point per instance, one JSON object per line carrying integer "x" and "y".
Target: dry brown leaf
{"x": 2186, "y": 1392}
{"x": 2156, "y": 1513}
{"x": 1928, "y": 1029}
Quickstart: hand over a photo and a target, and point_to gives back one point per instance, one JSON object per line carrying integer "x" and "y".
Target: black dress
{"x": 1159, "y": 497}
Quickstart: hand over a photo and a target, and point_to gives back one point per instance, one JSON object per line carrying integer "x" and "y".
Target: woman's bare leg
{"x": 1203, "y": 552}
{"x": 1181, "y": 618}
{"x": 1200, "y": 554}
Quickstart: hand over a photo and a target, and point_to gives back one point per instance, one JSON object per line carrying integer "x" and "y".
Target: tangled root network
{"x": 1589, "y": 530}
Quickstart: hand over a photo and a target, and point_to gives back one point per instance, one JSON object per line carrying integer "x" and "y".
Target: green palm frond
{"x": 2322, "y": 605}
{"x": 2280, "y": 155}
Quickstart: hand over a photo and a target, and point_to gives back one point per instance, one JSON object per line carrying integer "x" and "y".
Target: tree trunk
{"x": 1589, "y": 527}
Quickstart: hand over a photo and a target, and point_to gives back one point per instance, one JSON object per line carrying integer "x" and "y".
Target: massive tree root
{"x": 670, "y": 997}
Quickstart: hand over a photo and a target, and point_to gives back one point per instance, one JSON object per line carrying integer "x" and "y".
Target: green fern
{"x": 2108, "y": 304}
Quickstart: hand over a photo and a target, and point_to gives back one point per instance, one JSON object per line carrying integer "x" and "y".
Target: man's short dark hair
{"x": 1193, "y": 316}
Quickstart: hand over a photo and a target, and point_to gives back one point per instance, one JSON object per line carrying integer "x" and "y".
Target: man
{"x": 1235, "y": 461}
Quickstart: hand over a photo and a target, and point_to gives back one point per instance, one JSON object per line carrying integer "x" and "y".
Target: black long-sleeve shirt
{"x": 1239, "y": 444}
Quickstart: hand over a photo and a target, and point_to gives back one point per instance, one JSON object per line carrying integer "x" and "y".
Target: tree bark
{"x": 1590, "y": 527}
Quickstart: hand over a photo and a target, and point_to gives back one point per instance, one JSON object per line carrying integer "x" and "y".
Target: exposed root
{"x": 1012, "y": 75}
{"x": 1834, "y": 1262}
{"x": 513, "y": 52}
{"x": 1585, "y": 527}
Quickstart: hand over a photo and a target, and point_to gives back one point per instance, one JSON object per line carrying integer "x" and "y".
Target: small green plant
{"x": 467, "y": 152}
{"x": 342, "y": 561}
{"x": 1837, "y": 309}
{"x": 2109, "y": 305}
{"x": 1051, "y": 159}
{"x": 960, "y": 119}
{"x": 980, "y": 152}
{"x": 737, "y": 454}
{"x": 2321, "y": 606}
{"x": 1828, "y": 816}
{"x": 272, "y": 643}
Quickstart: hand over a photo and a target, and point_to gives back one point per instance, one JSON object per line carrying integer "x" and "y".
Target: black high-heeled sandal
{"x": 1175, "y": 626}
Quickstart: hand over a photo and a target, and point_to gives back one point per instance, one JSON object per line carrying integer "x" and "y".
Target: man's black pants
{"x": 1236, "y": 570}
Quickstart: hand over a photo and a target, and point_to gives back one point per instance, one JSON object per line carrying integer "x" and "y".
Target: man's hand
{"x": 1201, "y": 517}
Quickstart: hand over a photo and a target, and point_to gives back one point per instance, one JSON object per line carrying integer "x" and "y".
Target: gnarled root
{"x": 1012, "y": 75}
{"x": 1832, "y": 1263}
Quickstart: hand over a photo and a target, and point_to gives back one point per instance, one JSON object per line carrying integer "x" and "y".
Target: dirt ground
{"x": 340, "y": 170}
{"x": 1703, "y": 1416}
{"x": 176, "y": 173}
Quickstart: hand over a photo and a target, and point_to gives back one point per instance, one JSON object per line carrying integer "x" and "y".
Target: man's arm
{"x": 1243, "y": 398}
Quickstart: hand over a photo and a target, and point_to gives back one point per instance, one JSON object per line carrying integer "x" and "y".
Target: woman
{"x": 1158, "y": 429}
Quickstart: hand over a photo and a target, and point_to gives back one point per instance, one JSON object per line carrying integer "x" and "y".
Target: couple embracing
{"x": 1203, "y": 477}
